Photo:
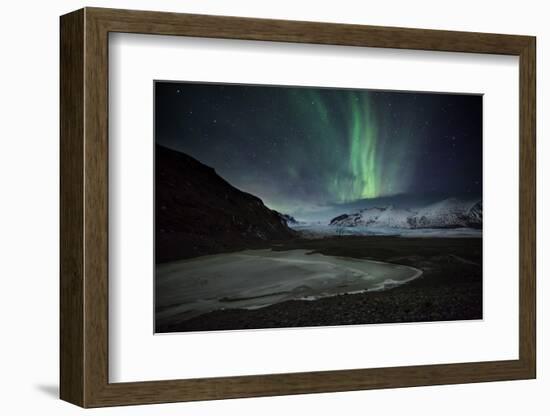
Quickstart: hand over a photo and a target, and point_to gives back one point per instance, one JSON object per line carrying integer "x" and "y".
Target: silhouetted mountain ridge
{"x": 198, "y": 212}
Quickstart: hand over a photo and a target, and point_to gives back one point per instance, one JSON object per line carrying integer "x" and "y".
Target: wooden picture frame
{"x": 84, "y": 207}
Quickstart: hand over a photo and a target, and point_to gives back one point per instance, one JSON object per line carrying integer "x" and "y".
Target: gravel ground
{"x": 449, "y": 289}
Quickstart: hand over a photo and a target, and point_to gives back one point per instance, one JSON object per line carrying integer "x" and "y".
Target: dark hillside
{"x": 198, "y": 212}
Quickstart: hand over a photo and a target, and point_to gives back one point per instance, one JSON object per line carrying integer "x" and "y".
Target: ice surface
{"x": 257, "y": 278}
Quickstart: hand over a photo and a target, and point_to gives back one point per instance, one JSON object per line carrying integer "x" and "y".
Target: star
{"x": 343, "y": 145}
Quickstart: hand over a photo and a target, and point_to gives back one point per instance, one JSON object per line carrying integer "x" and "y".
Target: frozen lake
{"x": 256, "y": 278}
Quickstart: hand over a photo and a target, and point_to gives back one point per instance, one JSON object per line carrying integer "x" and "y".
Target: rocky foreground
{"x": 449, "y": 289}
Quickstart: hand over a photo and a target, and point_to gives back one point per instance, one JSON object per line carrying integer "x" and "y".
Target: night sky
{"x": 302, "y": 150}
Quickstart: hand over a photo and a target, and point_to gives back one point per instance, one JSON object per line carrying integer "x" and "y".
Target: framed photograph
{"x": 260, "y": 207}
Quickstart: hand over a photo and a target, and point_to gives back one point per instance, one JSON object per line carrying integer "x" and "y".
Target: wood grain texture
{"x": 527, "y": 208}
{"x": 72, "y": 215}
{"x": 96, "y": 218}
{"x": 162, "y": 23}
{"x": 84, "y": 207}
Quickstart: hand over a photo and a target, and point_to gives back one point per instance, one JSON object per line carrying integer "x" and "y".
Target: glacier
{"x": 451, "y": 217}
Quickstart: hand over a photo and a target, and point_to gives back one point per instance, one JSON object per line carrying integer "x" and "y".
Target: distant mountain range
{"x": 289, "y": 219}
{"x": 448, "y": 213}
{"x": 197, "y": 212}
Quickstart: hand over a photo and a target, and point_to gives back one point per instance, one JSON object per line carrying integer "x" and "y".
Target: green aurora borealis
{"x": 356, "y": 152}
{"x": 303, "y": 149}
{"x": 362, "y": 155}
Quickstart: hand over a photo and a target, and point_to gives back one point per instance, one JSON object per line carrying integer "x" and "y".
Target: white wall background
{"x": 29, "y": 209}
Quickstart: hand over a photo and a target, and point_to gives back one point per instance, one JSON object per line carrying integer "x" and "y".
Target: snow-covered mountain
{"x": 290, "y": 220}
{"x": 449, "y": 213}
{"x": 286, "y": 218}
{"x": 394, "y": 218}
{"x": 476, "y": 214}
{"x": 362, "y": 218}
